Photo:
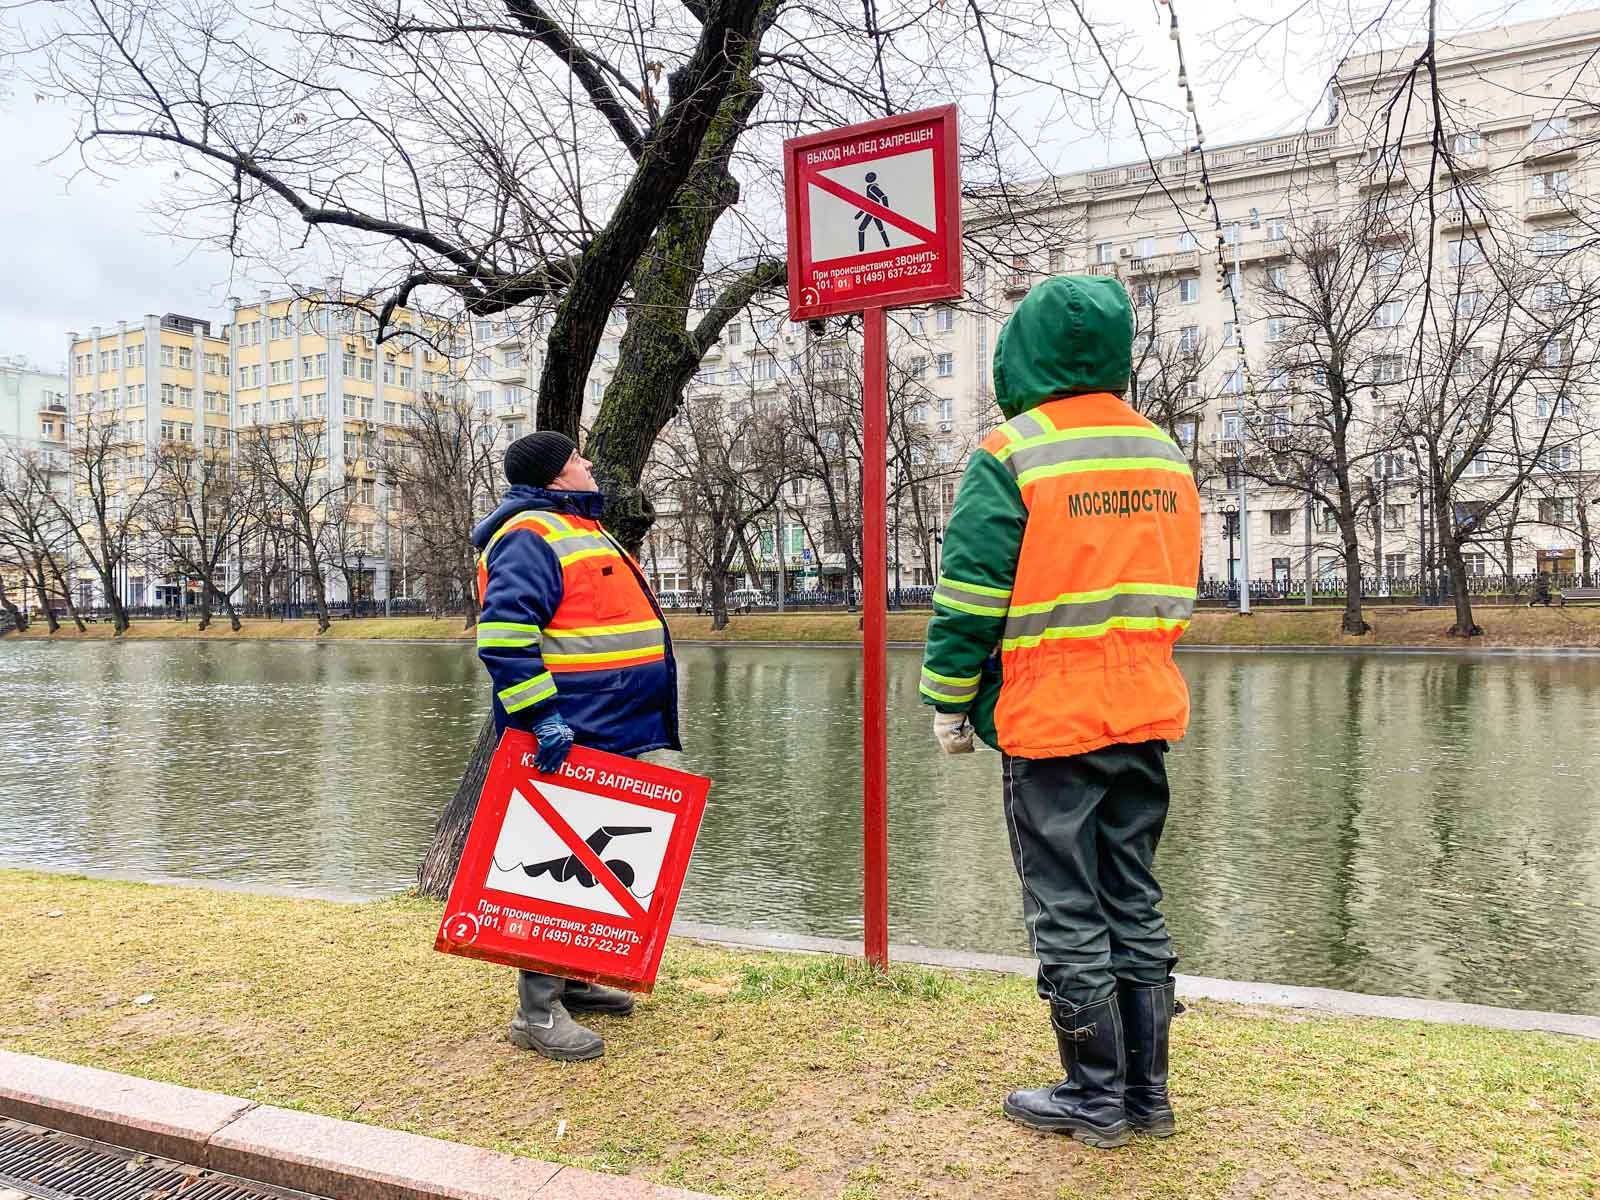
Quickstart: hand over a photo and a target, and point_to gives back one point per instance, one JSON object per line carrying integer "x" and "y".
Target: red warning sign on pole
{"x": 874, "y": 215}
{"x": 576, "y": 873}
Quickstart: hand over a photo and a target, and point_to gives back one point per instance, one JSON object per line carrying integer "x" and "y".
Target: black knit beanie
{"x": 538, "y": 458}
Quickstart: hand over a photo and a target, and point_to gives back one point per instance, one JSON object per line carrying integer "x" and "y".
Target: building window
{"x": 1187, "y": 241}
{"x": 1548, "y": 183}
{"x": 366, "y": 369}
{"x": 1390, "y": 314}
{"x": 1556, "y": 458}
{"x": 1548, "y": 404}
{"x": 944, "y": 365}
{"x": 944, "y": 319}
{"x": 1189, "y": 339}
{"x": 185, "y": 357}
{"x": 1554, "y": 510}
{"x": 947, "y": 410}
{"x": 917, "y": 366}
{"x": 1280, "y": 522}
{"x": 1390, "y": 261}
{"x": 1188, "y": 290}
{"x": 1461, "y": 252}
{"x": 735, "y": 333}
{"x": 1105, "y": 252}
{"x": 1276, "y": 328}
{"x": 1145, "y": 247}
{"x": 168, "y": 394}
{"x": 1551, "y": 241}
{"x": 1058, "y": 260}
{"x": 1277, "y": 229}
{"x": 391, "y": 412}
{"x": 168, "y": 358}
{"x": 1555, "y": 127}
{"x": 405, "y": 376}
{"x": 1394, "y": 566}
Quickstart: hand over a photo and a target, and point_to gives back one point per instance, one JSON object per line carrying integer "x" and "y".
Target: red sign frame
{"x": 874, "y": 280}
{"x": 516, "y": 930}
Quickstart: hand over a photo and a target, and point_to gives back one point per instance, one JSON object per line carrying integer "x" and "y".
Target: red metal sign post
{"x": 874, "y": 215}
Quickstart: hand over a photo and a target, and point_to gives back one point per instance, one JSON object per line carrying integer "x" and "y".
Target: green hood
{"x": 1071, "y": 334}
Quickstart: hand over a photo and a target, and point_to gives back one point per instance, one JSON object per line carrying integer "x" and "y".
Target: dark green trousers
{"x": 1084, "y": 832}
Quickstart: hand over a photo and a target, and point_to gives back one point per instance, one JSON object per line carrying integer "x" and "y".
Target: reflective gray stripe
{"x": 941, "y": 688}
{"x": 559, "y": 646}
{"x": 1028, "y": 425}
{"x": 1071, "y": 616}
{"x": 1049, "y": 454}
{"x": 569, "y": 545}
{"x": 983, "y": 604}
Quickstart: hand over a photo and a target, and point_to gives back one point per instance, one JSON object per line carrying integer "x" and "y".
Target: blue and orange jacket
{"x": 569, "y": 624}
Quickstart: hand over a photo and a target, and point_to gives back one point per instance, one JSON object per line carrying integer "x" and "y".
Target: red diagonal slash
{"x": 873, "y": 209}
{"x": 585, "y": 855}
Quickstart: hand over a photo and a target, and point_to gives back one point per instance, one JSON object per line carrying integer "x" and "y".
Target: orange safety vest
{"x": 605, "y": 621}
{"x": 1105, "y": 579}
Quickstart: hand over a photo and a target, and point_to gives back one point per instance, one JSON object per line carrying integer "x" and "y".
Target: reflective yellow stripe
{"x": 957, "y": 680}
{"x": 1120, "y": 589}
{"x": 1089, "y": 465}
{"x": 1093, "y": 631}
{"x": 529, "y": 692}
{"x": 601, "y": 657}
{"x": 948, "y": 689}
{"x": 602, "y": 630}
{"x": 596, "y": 552}
{"x": 507, "y": 634}
{"x": 978, "y": 599}
{"x": 1081, "y": 433}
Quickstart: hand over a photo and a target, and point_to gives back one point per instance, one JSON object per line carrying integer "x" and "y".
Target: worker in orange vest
{"x": 1069, "y": 571}
{"x": 575, "y": 643}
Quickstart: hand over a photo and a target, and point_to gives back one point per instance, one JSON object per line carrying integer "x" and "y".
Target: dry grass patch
{"x": 760, "y": 1074}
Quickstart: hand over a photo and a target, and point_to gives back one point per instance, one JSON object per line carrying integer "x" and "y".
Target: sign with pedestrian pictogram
{"x": 874, "y": 215}
{"x": 575, "y": 873}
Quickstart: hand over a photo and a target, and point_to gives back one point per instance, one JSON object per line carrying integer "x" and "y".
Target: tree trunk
{"x": 438, "y": 870}
{"x": 43, "y": 593}
{"x": 233, "y": 613}
{"x": 1354, "y": 624}
{"x": 17, "y": 616}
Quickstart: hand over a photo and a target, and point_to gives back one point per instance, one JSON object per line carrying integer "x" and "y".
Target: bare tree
{"x": 290, "y": 460}
{"x": 442, "y": 465}
{"x": 1333, "y": 307}
{"x": 1172, "y": 382}
{"x": 105, "y": 506}
{"x": 1501, "y": 329}
{"x": 197, "y": 512}
{"x": 725, "y": 466}
{"x": 33, "y": 536}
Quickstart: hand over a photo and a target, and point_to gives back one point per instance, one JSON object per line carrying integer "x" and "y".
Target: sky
{"x": 82, "y": 250}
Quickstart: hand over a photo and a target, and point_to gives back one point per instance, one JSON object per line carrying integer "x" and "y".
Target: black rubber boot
{"x": 542, "y": 1022}
{"x": 1088, "y": 1102}
{"x": 592, "y": 998}
{"x": 1146, "y": 1022}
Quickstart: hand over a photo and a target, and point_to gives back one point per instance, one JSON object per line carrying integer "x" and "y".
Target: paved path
{"x": 288, "y": 1149}
{"x": 1190, "y": 987}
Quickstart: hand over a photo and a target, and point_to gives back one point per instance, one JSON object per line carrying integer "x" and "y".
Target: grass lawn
{"x": 1504, "y": 627}
{"x": 764, "y": 1074}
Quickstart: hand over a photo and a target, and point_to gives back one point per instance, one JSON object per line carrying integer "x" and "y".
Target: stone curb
{"x": 283, "y": 1148}
{"x": 1190, "y": 987}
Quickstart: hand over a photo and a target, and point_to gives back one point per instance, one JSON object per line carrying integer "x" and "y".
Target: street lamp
{"x": 361, "y": 562}
{"x": 1230, "y": 529}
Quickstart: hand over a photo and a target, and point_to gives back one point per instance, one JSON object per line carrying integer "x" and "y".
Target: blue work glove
{"x": 555, "y": 740}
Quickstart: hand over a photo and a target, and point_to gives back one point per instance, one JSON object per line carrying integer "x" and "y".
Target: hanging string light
{"x": 1229, "y": 280}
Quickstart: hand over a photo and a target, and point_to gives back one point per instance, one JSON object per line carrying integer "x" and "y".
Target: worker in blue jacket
{"x": 578, "y": 652}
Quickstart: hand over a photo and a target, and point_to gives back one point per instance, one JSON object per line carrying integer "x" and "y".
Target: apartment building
{"x": 279, "y": 362}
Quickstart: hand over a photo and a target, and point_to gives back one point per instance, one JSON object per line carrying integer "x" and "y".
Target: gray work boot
{"x": 1146, "y": 1021}
{"x": 1088, "y": 1103}
{"x": 542, "y": 1022}
{"x": 583, "y": 997}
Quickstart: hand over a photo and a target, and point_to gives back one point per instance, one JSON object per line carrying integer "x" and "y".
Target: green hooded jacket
{"x": 1072, "y": 334}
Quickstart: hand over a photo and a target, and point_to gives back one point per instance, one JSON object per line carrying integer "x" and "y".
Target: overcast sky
{"x": 84, "y": 250}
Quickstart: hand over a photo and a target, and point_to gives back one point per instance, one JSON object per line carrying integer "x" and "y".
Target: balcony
{"x": 1017, "y": 283}
{"x": 1462, "y": 216}
{"x": 1106, "y": 268}
{"x": 1163, "y": 264}
{"x": 1562, "y": 146}
{"x": 1542, "y": 207}
{"x": 1264, "y": 251}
